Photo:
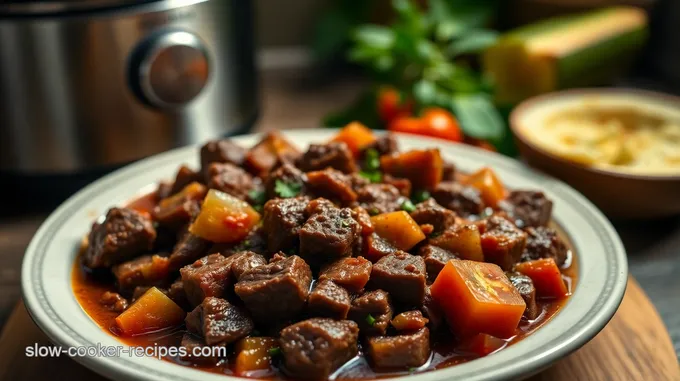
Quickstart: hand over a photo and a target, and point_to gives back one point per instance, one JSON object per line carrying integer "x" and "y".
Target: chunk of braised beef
{"x": 432, "y": 311}
{"x": 178, "y": 295}
{"x": 193, "y": 344}
{"x": 219, "y": 322}
{"x": 449, "y": 171}
{"x": 358, "y": 181}
{"x": 402, "y": 275}
{"x": 184, "y": 177}
{"x": 281, "y": 222}
{"x": 113, "y": 301}
{"x": 352, "y": 273}
{"x": 529, "y": 208}
{"x": 208, "y": 276}
{"x": 409, "y": 321}
{"x": 384, "y": 145}
{"x": 287, "y": 174}
{"x": 544, "y": 242}
{"x": 255, "y": 241}
{"x": 435, "y": 259}
{"x": 361, "y": 216}
{"x": 331, "y": 184}
{"x": 181, "y": 208}
{"x": 315, "y": 348}
{"x": 502, "y": 242}
{"x": 147, "y": 270}
{"x": 318, "y": 205}
{"x": 230, "y": 179}
{"x": 124, "y": 234}
{"x": 328, "y": 299}
{"x": 429, "y": 212}
{"x": 403, "y": 185}
{"x": 276, "y": 291}
{"x": 164, "y": 190}
{"x": 333, "y": 154}
{"x": 526, "y": 289}
{"x": 188, "y": 249}
{"x": 372, "y": 311}
{"x": 462, "y": 199}
{"x": 243, "y": 261}
{"x": 375, "y": 247}
{"x": 379, "y": 198}
{"x": 274, "y": 149}
{"x": 328, "y": 235}
{"x": 405, "y": 350}
{"x": 221, "y": 151}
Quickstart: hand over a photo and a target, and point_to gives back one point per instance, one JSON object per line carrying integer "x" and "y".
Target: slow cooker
{"x": 98, "y": 83}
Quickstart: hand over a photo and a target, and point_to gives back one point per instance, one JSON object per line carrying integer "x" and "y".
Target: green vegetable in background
{"x": 423, "y": 55}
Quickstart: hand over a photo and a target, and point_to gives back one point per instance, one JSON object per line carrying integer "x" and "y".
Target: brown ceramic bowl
{"x": 620, "y": 195}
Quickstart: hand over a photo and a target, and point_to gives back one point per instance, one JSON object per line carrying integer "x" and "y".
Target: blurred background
{"x": 89, "y": 85}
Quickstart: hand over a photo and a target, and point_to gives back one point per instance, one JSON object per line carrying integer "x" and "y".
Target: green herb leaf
{"x": 372, "y": 161}
{"x": 372, "y": 176}
{"x": 274, "y": 351}
{"x": 346, "y": 223}
{"x": 287, "y": 190}
{"x": 408, "y": 206}
{"x": 473, "y": 41}
{"x": 258, "y": 197}
{"x": 478, "y": 117}
{"x": 420, "y": 196}
{"x": 425, "y": 92}
{"x": 370, "y": 320}
{"x": 373, "y": 211}
{"x": 376, "y": 36}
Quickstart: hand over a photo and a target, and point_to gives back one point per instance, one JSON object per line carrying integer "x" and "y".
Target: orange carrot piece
{"x": 254, "y": 359}
{"x": 356, "y": 136}
{"x": 423, "y": 167}
{"x": 491, "y": 188}
{"x": 398, "y": 229}
{"x": 546, "y": 276}
{"x": 477, "y": 297}
{"x": 224, "y": 218}
{"x": 152, "y": 311}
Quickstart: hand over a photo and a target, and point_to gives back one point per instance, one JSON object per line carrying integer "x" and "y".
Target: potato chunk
{"x": 224, "y": 218}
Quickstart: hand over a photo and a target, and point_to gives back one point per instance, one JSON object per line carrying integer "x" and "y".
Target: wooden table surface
{"x": 289, "y": 101}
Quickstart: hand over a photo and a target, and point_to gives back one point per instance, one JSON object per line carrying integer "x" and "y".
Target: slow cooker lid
{"x": 51, "y": 7}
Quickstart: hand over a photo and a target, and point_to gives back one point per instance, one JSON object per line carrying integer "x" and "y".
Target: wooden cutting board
{"x": 634, "y": 346}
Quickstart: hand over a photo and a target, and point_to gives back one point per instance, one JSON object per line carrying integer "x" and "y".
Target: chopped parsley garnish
{"x": 372, "y": 161}
{"x": 370, "y": 320}
{"x": 274, "y": 351}
{"x": 373, "y": 211}
{"x": 420, "y": 196}
{"x": 372, "y": 176}
{"x": 411, "y": 370}
{"x": 287, "y": 190}
{"x": 258, "y": 197}
{"x": 408, "y": 206}
{"x": 346, "y": 223}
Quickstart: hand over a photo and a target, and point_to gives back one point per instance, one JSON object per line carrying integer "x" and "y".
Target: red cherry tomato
{"x": 435, "y": 122}
{"x": 391, "y": 106}
{"x": 441, "y": 124}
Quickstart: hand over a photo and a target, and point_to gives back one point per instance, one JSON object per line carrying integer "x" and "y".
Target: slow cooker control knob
{"x": 169, "y": 69}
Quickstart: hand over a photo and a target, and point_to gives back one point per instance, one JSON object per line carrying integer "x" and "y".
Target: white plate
{"x": 46, "y": 272}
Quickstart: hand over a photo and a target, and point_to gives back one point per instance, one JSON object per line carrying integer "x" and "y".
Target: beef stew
{"x": 316, "y": 265}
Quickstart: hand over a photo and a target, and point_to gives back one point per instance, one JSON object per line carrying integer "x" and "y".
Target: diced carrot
{"x": 254, "y": 358}
{"x": 482, "y": 344}
{"x": 193, "y": 191}
{"x": 491, "y": 188}
{"x": 423, "y": 167}
{"x": 152, "y": 311}
{"x": 477, "y": 297}
{"x": 356, "y": 136}
{"x": 273, "y": 147}
{"x": 224, "y": 218}
{"x": 546, "y": 276}
{"x": 464, "y": 240}
{"x": 398, "y": 229}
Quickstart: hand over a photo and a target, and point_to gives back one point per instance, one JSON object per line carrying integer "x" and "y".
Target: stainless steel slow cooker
{"x": 95, "y": 83}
